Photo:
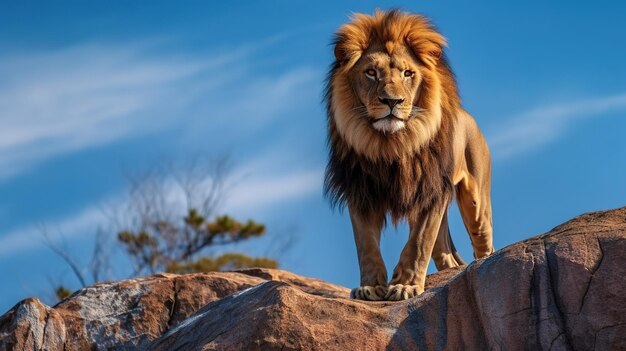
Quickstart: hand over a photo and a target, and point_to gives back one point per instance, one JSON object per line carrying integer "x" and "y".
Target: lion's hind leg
{"x": 444, "y": 252}
{"x": 473, "y": 189}
{"x": 475, "y": 207}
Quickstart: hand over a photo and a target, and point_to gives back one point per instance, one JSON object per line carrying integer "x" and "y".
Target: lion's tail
{"x": 455, "y": 253}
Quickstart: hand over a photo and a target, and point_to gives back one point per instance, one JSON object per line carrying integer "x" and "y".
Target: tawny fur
{"x": 411, "y": 173}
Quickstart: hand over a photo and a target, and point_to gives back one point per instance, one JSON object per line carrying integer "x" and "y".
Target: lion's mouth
{"x": 389, "y": 124}
{"x": 389, "y": 117}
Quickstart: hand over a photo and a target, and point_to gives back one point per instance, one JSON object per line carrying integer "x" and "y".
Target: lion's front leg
{"x": 367, "y": 229}
{"x": 409, "y": 276}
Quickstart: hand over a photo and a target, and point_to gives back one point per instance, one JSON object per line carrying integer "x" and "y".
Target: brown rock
{"x": 121, "y": 315}
{"x": 561, "y": 290}
{"x": 276, "y": 315}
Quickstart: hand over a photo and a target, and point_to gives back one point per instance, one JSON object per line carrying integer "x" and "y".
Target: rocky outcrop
{"x": 561, "y": 290}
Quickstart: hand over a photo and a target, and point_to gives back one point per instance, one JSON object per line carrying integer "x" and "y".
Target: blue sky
{"x": 89, "y": 92}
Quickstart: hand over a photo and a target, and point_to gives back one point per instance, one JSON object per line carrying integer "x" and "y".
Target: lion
{"x": 401, "y": 144}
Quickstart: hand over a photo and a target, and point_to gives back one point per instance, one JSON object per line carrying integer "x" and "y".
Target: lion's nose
{"x": 391, "y": 102}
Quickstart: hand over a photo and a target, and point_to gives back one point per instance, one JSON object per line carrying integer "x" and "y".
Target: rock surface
{"x": 557, "y": 291}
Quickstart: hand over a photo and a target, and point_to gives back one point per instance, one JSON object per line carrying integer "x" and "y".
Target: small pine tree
{"x": 177, "y": 247}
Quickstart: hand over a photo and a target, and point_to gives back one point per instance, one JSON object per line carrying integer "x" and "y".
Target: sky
{"x": 90, "y": 92}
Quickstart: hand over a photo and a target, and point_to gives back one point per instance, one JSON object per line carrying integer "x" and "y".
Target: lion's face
{"x": 384, "y": 92}
{"x": 387, "y": 86}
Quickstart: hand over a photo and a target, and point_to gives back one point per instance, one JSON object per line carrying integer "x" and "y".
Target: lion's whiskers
{"x": 360, "y": 110}
{"x": 416, "y": 111}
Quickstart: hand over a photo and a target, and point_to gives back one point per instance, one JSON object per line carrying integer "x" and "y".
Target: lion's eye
{"x": 371, "y": 73}
{"x": 409, "y": 73}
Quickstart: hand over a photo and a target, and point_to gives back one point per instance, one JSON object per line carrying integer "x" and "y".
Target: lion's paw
{"x": 397, "y": 292}
{"x": 369, "y": 293}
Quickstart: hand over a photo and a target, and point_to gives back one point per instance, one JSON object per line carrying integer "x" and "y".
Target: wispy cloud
{"x": 255, "y": 195}
{"x": 66, "y": 100}
{"x": 239, "y": 107}
{"x": 535, "y": 128}
{"x": 30, "y": 237}
{"x": 56, "y": 102}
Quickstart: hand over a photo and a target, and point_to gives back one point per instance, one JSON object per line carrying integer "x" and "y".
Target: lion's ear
{"x": 347, "y": 51}
{"x": 428, "y": 48}
{"x": 340, "y": 52}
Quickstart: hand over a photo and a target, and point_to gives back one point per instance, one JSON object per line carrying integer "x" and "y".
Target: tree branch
{"x": 61, "y": 252}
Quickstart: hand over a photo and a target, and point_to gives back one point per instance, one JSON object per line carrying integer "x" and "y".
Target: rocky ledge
{"x": 561, "y": 290}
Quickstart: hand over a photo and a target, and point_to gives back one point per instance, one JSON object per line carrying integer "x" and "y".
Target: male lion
{"x": 400, "y": 143}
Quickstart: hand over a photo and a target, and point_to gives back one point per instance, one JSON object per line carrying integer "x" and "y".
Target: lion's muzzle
{"x": 389, "y": 124}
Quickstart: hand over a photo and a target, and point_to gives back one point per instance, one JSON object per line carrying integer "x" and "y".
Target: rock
{"x": 561, "y": 290}
{"x": 120, "y": 315}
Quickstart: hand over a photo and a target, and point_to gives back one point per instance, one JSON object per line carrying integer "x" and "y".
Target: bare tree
{"x": 169, "y": 222}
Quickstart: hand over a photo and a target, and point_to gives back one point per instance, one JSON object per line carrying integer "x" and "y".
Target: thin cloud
{"x": 535, "y": 128}
{"x": 265, "y": 193}
{"x": 62, "y": 101}
{"x": 52, "y": 103}
{"x": 27, "y": 238}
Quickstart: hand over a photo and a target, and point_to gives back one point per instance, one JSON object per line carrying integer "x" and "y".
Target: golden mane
{"x": 438, "y": 94}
